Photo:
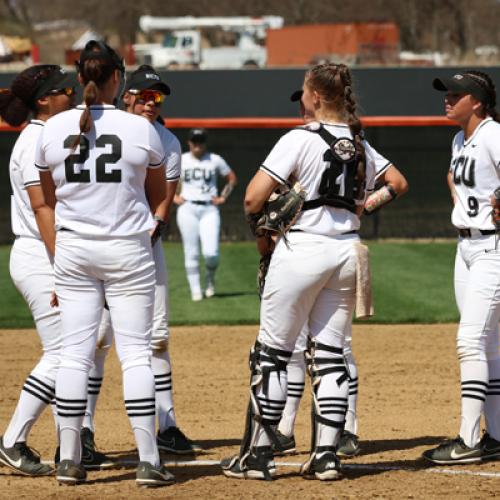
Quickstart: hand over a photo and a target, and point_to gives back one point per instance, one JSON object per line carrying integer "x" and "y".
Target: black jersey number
{"x": 473, "y": 206}
{"x": 75, "y": 174}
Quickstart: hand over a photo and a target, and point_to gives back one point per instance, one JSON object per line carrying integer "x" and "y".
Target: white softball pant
{"x": 313, "y": 278}
{"x": 160, "y": 334}
{"x": 33, "y": 276}
{"x": 199, "y": 224}
{"x": 88, "y": 269}
{"x": 477, "y": 291}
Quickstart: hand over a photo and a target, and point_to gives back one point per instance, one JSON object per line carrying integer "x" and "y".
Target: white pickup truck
{"x": 182, "y": 49}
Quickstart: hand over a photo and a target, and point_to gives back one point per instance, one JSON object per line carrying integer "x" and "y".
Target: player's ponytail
{"x": 97, "y": 63}
{"x": 354, "y": 123}
{"x": 333, "y": 82}
{"x": 18, "y": 101}
{"x": 484, "y": 80}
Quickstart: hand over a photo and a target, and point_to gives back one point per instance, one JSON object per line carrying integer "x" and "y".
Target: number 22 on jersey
{"x": 75, "y": 174}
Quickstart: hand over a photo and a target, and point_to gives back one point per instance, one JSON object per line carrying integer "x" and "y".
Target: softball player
{"x": 144, "y": 94}
{"x": 474, "y": 174}
{"x": 42, "y": 91}
{"x": 311, "y": 276}
{"x": 104, "y": 167}
{"x": 198, "y": 215}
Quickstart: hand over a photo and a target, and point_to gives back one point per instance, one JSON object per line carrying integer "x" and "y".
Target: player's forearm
{"x": 164, "y": 207}
{"x": 451, "y": 185}
{"x": 45, "y": 220}
{"x": 155, "y": 188}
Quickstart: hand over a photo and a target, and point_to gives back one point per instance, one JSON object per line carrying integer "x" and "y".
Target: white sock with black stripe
{"x": 36, "y": 395}
{"x": 71, "y": 400}
{"x": 296, "y": 370}
{"x": 162, "y": 371}
{"x": 139, "y": 395}
{"x": 492, "y": 403}
{"x": 96, "y": 375}
{"x": 474, "y": 384}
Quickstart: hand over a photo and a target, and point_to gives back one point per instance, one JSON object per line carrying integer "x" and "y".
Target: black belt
{"x": 199, "y": 202}
{"x": 354, "y": 231}
{"x": 466, "y": 233}
{"x": 65, "y": 229}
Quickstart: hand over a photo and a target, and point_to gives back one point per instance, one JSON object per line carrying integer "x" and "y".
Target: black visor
{"x": 197, "y": 135}
{"x": 55, "y": 79}
{"x": 462, "y": 84}
{"x": 96, "y": 49}
{"x": 146, "y": 78}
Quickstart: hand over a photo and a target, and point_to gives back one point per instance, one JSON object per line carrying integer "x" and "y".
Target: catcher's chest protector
{"x": 339, "y": 186}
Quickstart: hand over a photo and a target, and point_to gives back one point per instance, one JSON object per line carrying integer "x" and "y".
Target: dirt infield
{"x": 409, "y": 400}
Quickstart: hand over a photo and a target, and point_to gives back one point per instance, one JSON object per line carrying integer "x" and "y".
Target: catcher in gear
{"x": 312, "y": 275}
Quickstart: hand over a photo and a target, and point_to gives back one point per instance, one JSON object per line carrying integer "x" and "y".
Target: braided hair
{"x": 18, "y": 101}
{"x": 487, "y": 84}
{"x": 333, "y": 82}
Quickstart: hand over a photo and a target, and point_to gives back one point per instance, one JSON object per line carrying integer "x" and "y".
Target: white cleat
{"x": 209, "y": 292}
{"x": 196, "y": 297}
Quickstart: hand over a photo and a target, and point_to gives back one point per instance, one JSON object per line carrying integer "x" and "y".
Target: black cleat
{"x": 149, "y": 476}
{"x": 173, "y": 440}
{"x": 285, "y": 445}
{"x": 325, "y": 468}
{"x": 23, "y": 459}
{"x": 490, "y": 448}
{"x": 258, "y": 465}
{"x": 69, "y": 473}
{"x": 454, "y": 451}
{"x": 348, "y": 445}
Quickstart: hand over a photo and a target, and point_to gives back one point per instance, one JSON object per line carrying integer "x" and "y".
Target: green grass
{"x": 413, "y": 283}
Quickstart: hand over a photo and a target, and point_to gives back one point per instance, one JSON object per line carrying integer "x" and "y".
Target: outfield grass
{"x": 413, "y": 283}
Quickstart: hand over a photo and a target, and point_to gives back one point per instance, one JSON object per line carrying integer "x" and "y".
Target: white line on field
{"x": 369, "y": 467}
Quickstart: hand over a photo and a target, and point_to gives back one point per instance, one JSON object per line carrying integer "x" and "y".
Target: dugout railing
{"x": 418, "y": 145}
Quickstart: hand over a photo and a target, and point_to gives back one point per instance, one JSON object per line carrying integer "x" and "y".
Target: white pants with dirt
{"x": 477, "y": 291}
{"x": 33, "y": 276}
{"x": 199, "y": 224}
{"x": 310, "y": 279}
{"x": 88, "y": 271}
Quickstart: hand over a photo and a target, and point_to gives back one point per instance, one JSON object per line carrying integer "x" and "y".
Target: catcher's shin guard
{"x": 263, "y": 413}
{"x": 329, "y": 411}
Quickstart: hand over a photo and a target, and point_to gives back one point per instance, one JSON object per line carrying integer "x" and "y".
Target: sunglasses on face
{"x": 68, "y": 91}
{"x": 148, "y": 95}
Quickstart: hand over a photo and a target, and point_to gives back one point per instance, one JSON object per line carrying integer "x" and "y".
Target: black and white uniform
{"x": 198, "y": 218}
{"x": 311, "y": 279}
{"x": 33, "y": 275}
{"x": 159, "y": 338}
{"x": 475, "y": 170}
{"x": 103, "y": 252}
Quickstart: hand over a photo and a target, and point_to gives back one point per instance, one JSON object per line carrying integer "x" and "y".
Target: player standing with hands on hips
{"x": 103, "y": 171}
{"x": 198, "y": 216}
{"x": 474, "y": 174}
{"x": 41, "y": 91}
{"x": 312, "y": 273}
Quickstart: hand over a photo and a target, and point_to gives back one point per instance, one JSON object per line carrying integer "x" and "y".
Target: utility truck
{"x": 182, "y": 44}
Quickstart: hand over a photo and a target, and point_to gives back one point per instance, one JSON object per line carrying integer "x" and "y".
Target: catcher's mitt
{"x": 265, "y": 260}
{"x": 279, "y": 212}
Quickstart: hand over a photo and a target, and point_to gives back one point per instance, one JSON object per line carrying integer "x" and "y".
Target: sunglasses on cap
{"x": 149, "y": 95}
{"x": 68, "y": 91}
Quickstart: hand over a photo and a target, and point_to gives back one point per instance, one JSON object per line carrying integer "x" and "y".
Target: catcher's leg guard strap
{"x": 267, "y": 395}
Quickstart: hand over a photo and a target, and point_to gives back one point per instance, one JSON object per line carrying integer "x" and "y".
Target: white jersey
{"x": 475, "y": 169}
{"x": 100, "y": 188}
{"x": 173, "y": 152}
{"x": 23, "y": 174}
{"x": 199, "y": 176}
{"x": 300, "y": 153}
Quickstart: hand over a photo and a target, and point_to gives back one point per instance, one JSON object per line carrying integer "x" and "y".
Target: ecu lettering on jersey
{"x": 339, "y": 186}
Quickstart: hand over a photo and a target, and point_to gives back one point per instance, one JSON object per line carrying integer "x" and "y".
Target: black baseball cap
{"x": 51, "y": 77}
{"x": 462, "y": 83}
{"x": 146, "y": 78}
{"x": 297, "y": 95}
{"x": 198, "y": 135}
